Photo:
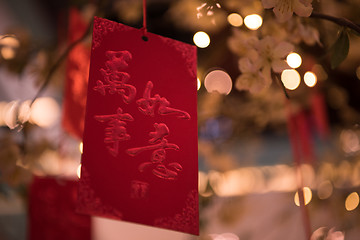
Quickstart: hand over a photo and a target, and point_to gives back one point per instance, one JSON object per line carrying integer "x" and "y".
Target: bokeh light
{"x": 290, "y": 78}
{"x": 45, "y": 112}
{"x": 198, "y": 84}
{"x": 325, "y": 189}
{"x": 8, "y": 52}
{"x": 2, "y": 110}
{"x": 224, "y": 236}
{"x": 350, "y": 141}
{"x": 294, "y": 60}
{"x": 218, "y": 81}
{"x": 203, "y": 185}
{"x": 24, "y": 111}
{"x": 202, "y": 181}
{"x": 307, "y": 196}
{"x": 81, "y": 147}
{"x": 352, "y": 201}
{"x": 9, "y": 114}
{"x": 235, "y": 19}
{"x": 253, "y": 21}
{"x": 78, "y": 171}
{"x": 310, "y": 79}
{"x": 9, "y": 45}
{"x": 14, "y": 113}
{"x": 201, "y": 39}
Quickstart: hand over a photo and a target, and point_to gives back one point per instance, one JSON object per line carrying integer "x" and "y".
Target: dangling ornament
{"x": 139, "y": 162}
{"x": 77, "y": 71}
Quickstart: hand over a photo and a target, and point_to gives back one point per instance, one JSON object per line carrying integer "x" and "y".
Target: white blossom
{"x": 272, "y": 53}
{"x": 240, "y": 42}
{"x": 284, "y": 9}
{"x": 253, "y": 78}
{"x": 302, "y": 32}
{"x": 258, "y": 59}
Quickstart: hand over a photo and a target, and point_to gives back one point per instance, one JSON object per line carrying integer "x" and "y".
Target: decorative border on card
{"x": 186, "y": 220}
{"x": 102, "y": 27}
{"x": 187, "y": 52}
{"x": 89, "y": 203}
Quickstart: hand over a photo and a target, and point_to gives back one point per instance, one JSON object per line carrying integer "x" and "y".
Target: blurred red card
{"x": 77, "y": 71}
{"x": 52, "y": 215}
{"x": 140, "y": 160}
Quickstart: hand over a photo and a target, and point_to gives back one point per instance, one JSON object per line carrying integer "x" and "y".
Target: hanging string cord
{"x": 144, "y": 28}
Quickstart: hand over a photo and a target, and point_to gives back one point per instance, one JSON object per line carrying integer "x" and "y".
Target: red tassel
{"x": 303, "y": 132}
{"x": 320, "y": 114}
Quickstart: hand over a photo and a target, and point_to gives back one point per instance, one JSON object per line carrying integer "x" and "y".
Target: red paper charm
{"x": 52, "y": 215}
{"x": 319, "y": 112}
{"x": 303, "y": 132}
{"x": 77, "y": 71}
{"x": 140, "y": 139}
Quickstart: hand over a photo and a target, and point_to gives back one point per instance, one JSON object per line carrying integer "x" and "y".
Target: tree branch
{"x": 282, "y": 87}
{"x": 339, "y": 21}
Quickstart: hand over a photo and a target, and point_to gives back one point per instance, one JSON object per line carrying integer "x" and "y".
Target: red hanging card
{"x": 52, "y": 216}
{"x": 304, "y": 135}
{"x": 319, "y": 112}
{"x": 140, "y": 139}
{"x": 77, "y": 71}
